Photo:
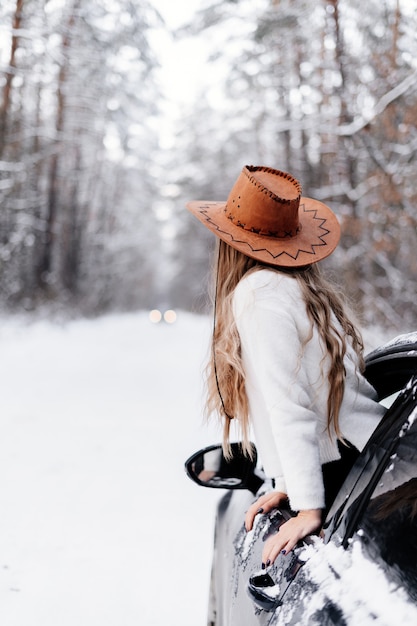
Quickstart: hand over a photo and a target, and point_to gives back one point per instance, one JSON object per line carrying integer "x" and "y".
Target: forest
{"x": 92, "y": 193}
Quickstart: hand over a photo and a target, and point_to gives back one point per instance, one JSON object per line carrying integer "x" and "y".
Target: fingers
{"x": 264, "y": 504}
{"x": 254, "y": 509}
{"x": 289, "y": 534}
{"x": 283, "y": 542}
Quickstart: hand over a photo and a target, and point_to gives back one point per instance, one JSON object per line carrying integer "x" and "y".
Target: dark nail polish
{"x": 284, "y": 552}
{"x": 268, "y": 563}
{"x": 263, "y": 565}
{"x": 259, "y": 511}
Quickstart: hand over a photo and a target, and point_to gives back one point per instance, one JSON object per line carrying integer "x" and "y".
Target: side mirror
{"x": 209, "y": 468}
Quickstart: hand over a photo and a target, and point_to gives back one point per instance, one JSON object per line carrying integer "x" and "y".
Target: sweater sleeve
{"x": 271, "y": 321}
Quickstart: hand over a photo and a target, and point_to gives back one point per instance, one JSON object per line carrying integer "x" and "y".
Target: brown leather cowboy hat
{"x": 266, "y": 218}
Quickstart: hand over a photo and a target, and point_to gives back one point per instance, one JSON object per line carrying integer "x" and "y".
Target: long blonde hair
{"x": 226, "y": 393}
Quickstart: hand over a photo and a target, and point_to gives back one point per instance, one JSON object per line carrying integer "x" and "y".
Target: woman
{"x": 286, "y": 359}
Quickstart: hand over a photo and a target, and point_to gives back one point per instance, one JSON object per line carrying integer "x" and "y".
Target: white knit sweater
{"x": 287, "y": 388}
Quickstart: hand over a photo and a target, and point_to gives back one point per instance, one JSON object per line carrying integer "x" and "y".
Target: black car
{"x": 362, "y": 569}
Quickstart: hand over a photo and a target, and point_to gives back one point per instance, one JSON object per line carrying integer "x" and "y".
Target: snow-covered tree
{"x": 327, "y": 91}
{"x": 79, "y": 132}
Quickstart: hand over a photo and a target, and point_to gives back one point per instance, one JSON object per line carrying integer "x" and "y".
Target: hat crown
{"x": 266, "y": 202}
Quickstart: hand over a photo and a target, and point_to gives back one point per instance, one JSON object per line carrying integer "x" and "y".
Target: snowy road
{"x": 99, "y": 525}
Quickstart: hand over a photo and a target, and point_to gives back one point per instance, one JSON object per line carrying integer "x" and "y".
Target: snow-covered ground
{"x": 99, "y": 526}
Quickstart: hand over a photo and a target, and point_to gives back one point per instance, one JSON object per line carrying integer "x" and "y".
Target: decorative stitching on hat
{"x": 311, "y": 252}
{"x": 253, "y": 168}
{"x": 285, "y": 234}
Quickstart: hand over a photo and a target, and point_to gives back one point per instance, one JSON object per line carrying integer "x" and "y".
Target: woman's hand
{"x": 264, "y": 504}
{"x": 296, "y": 528}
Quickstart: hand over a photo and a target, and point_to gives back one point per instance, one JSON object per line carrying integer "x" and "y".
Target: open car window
{"x": 390, "y": 367}
{"x": 373, "y": 471}
{"x": 389, "y": 523}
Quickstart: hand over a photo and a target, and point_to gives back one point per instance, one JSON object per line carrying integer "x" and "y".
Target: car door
{"x": 389, "y": 369}
{"x": 306, "y": 593}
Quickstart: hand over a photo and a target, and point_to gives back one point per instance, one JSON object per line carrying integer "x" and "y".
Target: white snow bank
{"x": 98, "y": 523}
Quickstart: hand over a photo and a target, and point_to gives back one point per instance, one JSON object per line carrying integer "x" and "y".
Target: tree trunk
{"x": 45, "y": 265}
{"x": 7, "y": 89}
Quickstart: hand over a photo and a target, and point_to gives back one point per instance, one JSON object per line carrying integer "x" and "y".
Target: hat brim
{"x": 317, "y": 238}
